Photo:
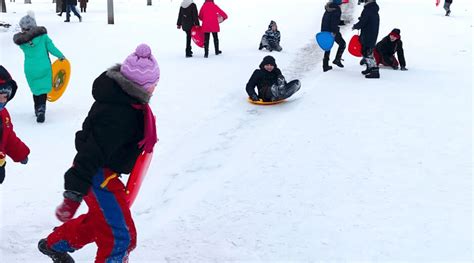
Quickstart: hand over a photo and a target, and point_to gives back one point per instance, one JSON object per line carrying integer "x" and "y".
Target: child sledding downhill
{"x": 271, "y": 38}
{"x": 270, "y": 83}
{"x": 330, "y": 23}
{"x": 10, "y": 144}
{"x": 385, "y": 51}
{"x": 36, "y": 45}
{"x": 119, "y": 126}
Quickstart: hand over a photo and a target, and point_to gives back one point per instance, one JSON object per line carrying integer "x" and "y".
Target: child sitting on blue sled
{"x": 270, "y": 83}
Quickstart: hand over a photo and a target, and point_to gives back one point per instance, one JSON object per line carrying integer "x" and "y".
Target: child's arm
{"x": 15, "y": 148}
{"x": 52, "y": 48}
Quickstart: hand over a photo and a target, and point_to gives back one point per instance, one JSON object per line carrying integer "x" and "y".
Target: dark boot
{"x": 57, "y": 257}
{"x": 338, "y": 63}
{"x": 374, "y": 74}
{"x": 326, "y": 66}
{"x": 366, "y": 71}
{"x": 40, "y": 113}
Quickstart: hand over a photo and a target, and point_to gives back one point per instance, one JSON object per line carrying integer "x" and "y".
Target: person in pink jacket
{"x": 211, "y": 15}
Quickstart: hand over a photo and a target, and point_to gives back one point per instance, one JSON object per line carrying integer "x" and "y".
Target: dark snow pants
{"x": 342, "y": 46}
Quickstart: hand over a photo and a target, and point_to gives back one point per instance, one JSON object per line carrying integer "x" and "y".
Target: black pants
{"x": 342, "y": 46}
{"x": 207, "y": 37}
{"x": 188, "y": 42}
{"x": 40, "y": 103}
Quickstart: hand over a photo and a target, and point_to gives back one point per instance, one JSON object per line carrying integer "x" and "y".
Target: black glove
{"x": 25, "y": 161}
{"x": 2, "y": 173}
{"x": 342, "y": 23}
{"x": 254, "y": 98}
{"x": 403, "y": 69}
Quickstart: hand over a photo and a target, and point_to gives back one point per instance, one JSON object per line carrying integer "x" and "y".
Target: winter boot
{"x": 67, "y": 20}
{"x": 366, "y": 71}
{"x": 260, "y": 47}
{"x": 338, "y": 63}
{"x": 40, "y": 113}
{"x": 448, "y": 12}
{"x": 373, "y": 74}
{"x": 57, "y": 257}
{"x": 326, "y": 66}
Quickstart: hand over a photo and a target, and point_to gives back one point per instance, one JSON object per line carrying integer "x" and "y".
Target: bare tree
{"x": 110, "y": 11}
{"x": 3, "y": 7}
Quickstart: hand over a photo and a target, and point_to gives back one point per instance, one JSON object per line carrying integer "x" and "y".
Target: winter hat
{"x": 268, "y": 60}
{"x": 7, "y": 84}
{"x": 141, "y": 67}
{"x": 186, "y": 3}
{"x": 337, "y": 2}
{"x": 271, "y": 24}
{"x": 395, "y": 33}
{"x": 28, "y": 22}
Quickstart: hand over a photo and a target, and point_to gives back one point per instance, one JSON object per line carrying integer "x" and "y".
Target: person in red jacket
{"x": 211, "y": 15}
{"x": 10, "y": 144}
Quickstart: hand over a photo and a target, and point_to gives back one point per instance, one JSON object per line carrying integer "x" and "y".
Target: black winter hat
{"x": 396, "y": 31}
{"x": 7, "y": 84}
{"x": 268, "y": 60}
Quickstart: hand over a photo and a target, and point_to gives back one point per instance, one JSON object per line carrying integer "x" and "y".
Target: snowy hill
{"x": 348, "y": 169}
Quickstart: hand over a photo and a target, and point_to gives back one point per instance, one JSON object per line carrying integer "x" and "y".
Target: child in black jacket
{"x": 385, "y": 51}
{"x": 187, "y": 18}
{"x": 330, "y": 23}
{"x": 270, "y": 83}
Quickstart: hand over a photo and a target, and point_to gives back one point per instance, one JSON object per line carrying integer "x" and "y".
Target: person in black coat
{"x": 369, "y": 22}
{"x": 118, "y": 128}
{"x": 71, "y": 5}
{"x": 385, "y": 51}
{"x": 330, "y": 23}
{"x": 187, "y": 18}
{"x": 270, "y": 83}
{"x": 63, "y": 6}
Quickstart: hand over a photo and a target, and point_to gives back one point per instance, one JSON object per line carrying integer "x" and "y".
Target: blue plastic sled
{"x": 325, "y": 40}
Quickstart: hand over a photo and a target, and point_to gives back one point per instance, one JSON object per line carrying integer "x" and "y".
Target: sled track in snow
{"x": 309, "y": 56}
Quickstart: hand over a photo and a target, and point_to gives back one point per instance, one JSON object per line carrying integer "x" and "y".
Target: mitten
{"x": 254, "y": 97}
{"x": 66, "y": 210}
{"x": 25, "y": 161}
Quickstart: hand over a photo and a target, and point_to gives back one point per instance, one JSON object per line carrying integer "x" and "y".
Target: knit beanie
{"x": 141, "y": 67}
{"x": 7, "y": 84}
{"x": 28, "y": 22}
{"x": 268, "y": 60}
{"x": 395, "y": 33}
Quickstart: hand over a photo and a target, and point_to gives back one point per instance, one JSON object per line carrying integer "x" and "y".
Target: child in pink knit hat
{"x": 119, "y": 127}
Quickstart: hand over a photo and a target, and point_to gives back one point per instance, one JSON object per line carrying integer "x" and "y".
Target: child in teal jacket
{"x": 36, "y": 46}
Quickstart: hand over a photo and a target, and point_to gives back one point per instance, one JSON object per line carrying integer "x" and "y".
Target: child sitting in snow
{"x": 10, "y": 144}
{"x": 385, "y": 50}
{"x": 270, "y": 83}
{"x": 271, "y": 38}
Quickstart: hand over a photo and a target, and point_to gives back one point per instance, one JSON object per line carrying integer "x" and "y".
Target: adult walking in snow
{"x": 187, "y": 18}
{"x": 83, "y": 5}
{"x": 330, "y": 23}
{"x": 270, "y": 83}
{"x": 385, "y": 51}
{"x": 71, "y": 5}
{"x": 369, "y": 22}
{"x": 447, "y": 6}
{"x": 211, "y": 15}
{"x": 36, "y": 45}
{"x": 119, "y": 126}
{"x": 10, "y": 144}
{"x": 271, "y": 38}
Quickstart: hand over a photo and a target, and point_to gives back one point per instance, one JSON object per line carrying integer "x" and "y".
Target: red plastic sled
{"x": 355, "y": 48}
{"x": 345, "y": 1}
{"x": 136, "y": 176}
{"x": 197, "y": 36}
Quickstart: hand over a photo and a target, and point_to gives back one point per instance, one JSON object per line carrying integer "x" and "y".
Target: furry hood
{"x": 27, "y": 36}
{"x": 186, "y": 3}
{"x": 128, "y": 86}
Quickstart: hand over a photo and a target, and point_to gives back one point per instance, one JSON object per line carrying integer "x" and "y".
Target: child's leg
{"x": 207, "y": 37}
{"x": 342, "y": 46}
{"x": 72, "y": 235}
{"x": 115, "y": 231}
{"x": 215, "y": 36}
{"x": 40, "y": 104}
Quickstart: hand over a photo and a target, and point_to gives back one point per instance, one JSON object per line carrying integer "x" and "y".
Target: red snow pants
{"x": 380, "y": 60}
{"x": 108, "y": 222}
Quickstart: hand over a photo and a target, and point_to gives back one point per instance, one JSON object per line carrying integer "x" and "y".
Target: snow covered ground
{"x": 348, "y": 169}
